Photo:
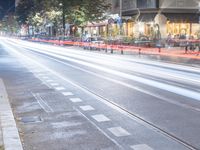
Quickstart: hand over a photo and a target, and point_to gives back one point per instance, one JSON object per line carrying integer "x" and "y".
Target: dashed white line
{"x": 75, "y": 100}
{"x": 119, "y": 131}
{"x": 141, "y": 147}
{"x": 67, "y": 93}
{"x": 49, "y": 80}
{"x": 54, "y": 84}
{"x": 59, "y": 88}
{"x": 100, "y": 118}
{"x": 87, "y": 108}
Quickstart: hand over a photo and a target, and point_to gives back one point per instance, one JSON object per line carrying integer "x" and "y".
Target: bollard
{"x": 186, "y": 50}
{"x": 111, "y": 51}
{"x": 122, "y": 52}
{"x": 159, "y": 50}
{"x": 139, "y": 51}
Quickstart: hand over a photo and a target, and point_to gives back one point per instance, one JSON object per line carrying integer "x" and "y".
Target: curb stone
{"x": 11, "y": 138}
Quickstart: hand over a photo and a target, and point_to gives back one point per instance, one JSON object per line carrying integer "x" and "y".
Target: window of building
{"x": 146, "y": 3}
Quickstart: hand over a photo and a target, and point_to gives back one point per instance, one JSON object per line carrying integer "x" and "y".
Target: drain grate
{"x": 32, "y": 119}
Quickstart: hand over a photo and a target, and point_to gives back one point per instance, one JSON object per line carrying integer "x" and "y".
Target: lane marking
{"x": 54, "y": 84}
{"x": 103, "y": 132}
{"x": 67, "y": 93}
{"x": 87, "y": 108}
{"x": 59, "y": 88}
{"x": 49, "y": 80}
{"x": 141, "y": 147}
{"x": 118, "y": 131}
{"x": 100, "y": 118}
{"x": 75, "y": 100}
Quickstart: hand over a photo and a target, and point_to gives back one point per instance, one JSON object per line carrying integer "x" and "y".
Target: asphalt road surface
{"x": 69, "y": 98}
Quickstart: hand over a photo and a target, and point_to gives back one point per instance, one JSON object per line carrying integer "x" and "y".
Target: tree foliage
{"x": 76, "y": 12}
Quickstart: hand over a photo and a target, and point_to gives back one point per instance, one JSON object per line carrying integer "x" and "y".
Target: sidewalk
{"x": 10, "y": 136}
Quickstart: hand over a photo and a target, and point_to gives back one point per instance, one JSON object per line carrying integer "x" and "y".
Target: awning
{"x": 147, "y": 17}
{"x": 182, "y": 17}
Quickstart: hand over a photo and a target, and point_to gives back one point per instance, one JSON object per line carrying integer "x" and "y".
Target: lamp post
{"x": 63, "y": 15}
{"x": 120, "y": 15}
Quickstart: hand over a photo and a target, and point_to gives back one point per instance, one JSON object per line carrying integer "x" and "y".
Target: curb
{"x": 11, "y": 138}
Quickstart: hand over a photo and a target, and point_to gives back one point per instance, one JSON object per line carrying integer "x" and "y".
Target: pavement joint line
{"x": 75, "y": 100}
{"x": 141, "y": 147}
{"x": 100, "y": 118}
{"x": 11, "y": 138}
{"x": 67, "y": 93}
{"x": 42, "y": 103}
{"x": 119, "y": 131}
{"x": 59, "y": 88}
{"x": 87, "y": 108}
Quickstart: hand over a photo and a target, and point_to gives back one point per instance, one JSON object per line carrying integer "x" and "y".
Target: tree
{"x": 74, "y": 12}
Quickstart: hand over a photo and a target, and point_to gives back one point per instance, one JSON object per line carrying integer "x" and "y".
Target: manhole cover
{"x": 32, "y": 119}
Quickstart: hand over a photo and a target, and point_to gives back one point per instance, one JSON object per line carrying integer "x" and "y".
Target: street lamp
{"x": 63, "y": 15}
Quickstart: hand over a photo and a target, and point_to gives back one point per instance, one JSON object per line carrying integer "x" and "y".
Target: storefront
{"x": 97, "y": 29}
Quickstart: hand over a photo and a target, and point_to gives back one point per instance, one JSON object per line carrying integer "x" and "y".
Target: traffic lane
{"x": 82, "y": 66}
{"x": 186, "y": 85}
{"x": 174, "y": 115}
{"x": 109, "y": 59}
{"x": 182, "y": 91}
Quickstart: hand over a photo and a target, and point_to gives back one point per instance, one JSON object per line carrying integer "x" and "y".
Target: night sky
{"x": 6, "y": 6}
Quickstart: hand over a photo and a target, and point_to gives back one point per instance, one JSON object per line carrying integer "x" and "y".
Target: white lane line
{"x": 54, "y": 84}
{"x": 100, "y": 118}
{"x": 75, "y": 100}
{"x": 113, "y": 140}
{"x": 41, "y": 74}
{"x": 118, "y": 131}
{"x": 49, "y": 80}
{"x": 67, "y": 93}
{"x": 59, "y": 88}
{"x": 87, "y": 108}
{"x": 141, "y": 147}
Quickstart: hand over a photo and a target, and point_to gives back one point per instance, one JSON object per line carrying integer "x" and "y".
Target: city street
{"x": 69, "y": 98}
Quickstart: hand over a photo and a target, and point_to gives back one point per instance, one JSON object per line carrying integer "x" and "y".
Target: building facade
{"x": 174, "y": 17}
